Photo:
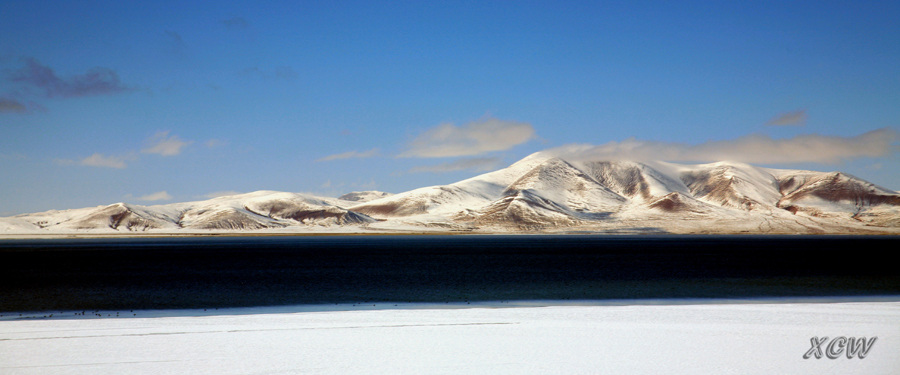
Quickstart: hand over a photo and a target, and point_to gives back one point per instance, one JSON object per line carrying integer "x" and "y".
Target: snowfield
{"x": 489, "y": 338}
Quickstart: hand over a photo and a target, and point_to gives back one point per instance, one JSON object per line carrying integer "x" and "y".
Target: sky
{"x": 160, "y": 102}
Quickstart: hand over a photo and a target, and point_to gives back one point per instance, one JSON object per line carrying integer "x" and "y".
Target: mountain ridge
{"x": 541, "y": 193}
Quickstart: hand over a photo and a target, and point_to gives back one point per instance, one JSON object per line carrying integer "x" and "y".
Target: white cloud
{"x": 98, "y": 160}
{"x": 789, "y": 118}
{"x": 163, "y": 144}
{"x": 477, "y": 137}
{"x": 351, "y": 155}
{"x": 754, "y": 149}
{"x": 157, "y": 196}
{"x": 478, "y": 164}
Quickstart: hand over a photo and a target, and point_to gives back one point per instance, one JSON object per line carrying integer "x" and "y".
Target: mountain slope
{"x": 450, "y": 199}
{"x": 552, "y": 193}
{"x": 835, "y": 194}
{"x": 732, "y": 185}
{"x": 633, "y": 180}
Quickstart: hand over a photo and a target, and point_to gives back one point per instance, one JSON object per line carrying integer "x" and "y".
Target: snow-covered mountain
{"x": 540, "y": 193}
{"x": 245, "y": 212}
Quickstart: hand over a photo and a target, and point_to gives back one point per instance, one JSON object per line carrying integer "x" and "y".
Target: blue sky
{"x": 159, "y": 102}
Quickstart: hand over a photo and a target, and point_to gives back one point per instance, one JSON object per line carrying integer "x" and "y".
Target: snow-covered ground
{"x": 649, "y": 338}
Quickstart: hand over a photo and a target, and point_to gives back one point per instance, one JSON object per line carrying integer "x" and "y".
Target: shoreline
{"x": 381, "y": 306}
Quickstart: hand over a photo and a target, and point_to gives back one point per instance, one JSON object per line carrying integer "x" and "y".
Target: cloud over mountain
{"x": 476, "y": 164}
{"x": 221, "y": 193}
{"x": 157, "y": 196}
{"x": 474, "y": 138}
{"x": 754, "y": 148}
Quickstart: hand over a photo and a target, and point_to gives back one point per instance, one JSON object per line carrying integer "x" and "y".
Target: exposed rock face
{"x": 746, "y": 188}
{"x": 524, "y": 210}
{"x": 303, "y": 212}
{"x": 834, "y": 187}
{"x": 626, "y": 179}
{"x": 226, "y": 219}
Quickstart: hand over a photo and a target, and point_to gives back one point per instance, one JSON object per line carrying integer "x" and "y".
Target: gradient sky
{"x": 102, "y": 102}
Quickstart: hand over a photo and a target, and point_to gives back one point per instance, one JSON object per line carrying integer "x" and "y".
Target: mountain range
{"x": 541, "y": 193}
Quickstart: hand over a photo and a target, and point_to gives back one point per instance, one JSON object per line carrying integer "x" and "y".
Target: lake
{"x": 205, "y": 272}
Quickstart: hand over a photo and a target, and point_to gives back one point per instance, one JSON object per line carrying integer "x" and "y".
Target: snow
{"x": 17, "y": 225}
{"x": 756, "y": 183}
{"x": 647, "y": 337}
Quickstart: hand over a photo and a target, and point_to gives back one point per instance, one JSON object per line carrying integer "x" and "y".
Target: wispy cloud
{"x": 176, "y": 43}
{"x": 474, "y": 138}
{"x": 13, "y": 156}
{"x": 11, "y": 106}
{"x": 285, "y": 72}
{"x": 99, "y": 160}
{"x": 215, "y": 143}
{"x": 236, "y": 24}
{"x": 351, "y": 155}
{"x": 252, "y": 71}
{"x": 157, "y": 196}
{"x": 281, "y": 72}
{"x": 161, "y": 143}
{"x": 97, "y": 81}
{"x": 477, "y": 164}
{"x": 371, "y": 184}
{"x": 757, "y": 148}
{"x": 217, "y": 194}
{"x": 789, "y": 118}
